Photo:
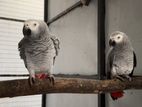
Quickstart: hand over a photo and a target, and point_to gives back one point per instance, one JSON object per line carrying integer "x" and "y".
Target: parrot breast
{"x": 40, "y": 55}
{"x": 122, "y": 62}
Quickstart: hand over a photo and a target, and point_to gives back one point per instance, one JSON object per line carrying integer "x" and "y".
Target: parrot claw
{"x": 51, "y": 79}
{"x": 31, "y": 80}
{"x": 120, "y": 78}
{"x": 45, "y": 76}
{"x": 128, "y": 77}
{"x": 123, "y": 77}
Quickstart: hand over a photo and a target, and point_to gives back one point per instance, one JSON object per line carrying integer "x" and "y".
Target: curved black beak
{"x": 26, "y": 31}
{"x": 112, "y": 42}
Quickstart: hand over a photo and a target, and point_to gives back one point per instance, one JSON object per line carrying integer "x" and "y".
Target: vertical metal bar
{"x": 43, "y": 100}
{"x": 101, "y": 48}
{"x": 45, "y": 10}
{"x": 45, "y": 19}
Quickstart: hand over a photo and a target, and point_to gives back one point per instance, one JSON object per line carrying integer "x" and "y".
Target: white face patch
{"x": 117, "y": 38}
{"x": 33, "y": 26}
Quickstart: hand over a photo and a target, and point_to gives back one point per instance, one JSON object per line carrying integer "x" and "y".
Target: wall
{"x": 78, "y": 55}
{"x": 125, "y": 16}
{"x": 78, "y": 34}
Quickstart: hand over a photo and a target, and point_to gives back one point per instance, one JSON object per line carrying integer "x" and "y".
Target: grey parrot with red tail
{"x": 121, "y": 59}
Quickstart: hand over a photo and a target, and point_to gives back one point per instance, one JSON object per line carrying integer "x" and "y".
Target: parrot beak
{"x": 26, "y": 31}
{"x": 112, "y": 42}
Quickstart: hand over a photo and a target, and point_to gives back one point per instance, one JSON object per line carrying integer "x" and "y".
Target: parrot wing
{"x": 110, "y": 58}
{"x": 135, "y": 60}
{"x": 135, "y": 63}
{"x": 56, "y": 43}
{"x": 22, "y": 50}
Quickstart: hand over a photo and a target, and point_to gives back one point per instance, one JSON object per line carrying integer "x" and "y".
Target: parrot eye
{"x": 118, "y": 37}
{"x": 34, "y": 24}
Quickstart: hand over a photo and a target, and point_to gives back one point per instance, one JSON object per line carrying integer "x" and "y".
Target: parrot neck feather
{"x": 124, "y": 46}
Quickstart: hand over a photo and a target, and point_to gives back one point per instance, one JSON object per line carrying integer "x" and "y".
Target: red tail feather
{"x": 117, "y": 94}
{"x": 41, "y": 76}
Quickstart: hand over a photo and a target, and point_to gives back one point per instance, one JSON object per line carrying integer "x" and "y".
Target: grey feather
{"x": 56, "y": 43}
{"x": 22, "y": 50}
{"x": 109, "y": 63}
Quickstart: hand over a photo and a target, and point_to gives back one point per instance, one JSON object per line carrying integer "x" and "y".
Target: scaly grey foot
{"x": 31, "y": 80}
{"x": 120, "y": 78}
{"x": 51, "y": 79}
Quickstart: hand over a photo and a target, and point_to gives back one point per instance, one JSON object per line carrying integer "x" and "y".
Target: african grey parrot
{"x": 38, "y": 48}
{"x": 121, "y": 59}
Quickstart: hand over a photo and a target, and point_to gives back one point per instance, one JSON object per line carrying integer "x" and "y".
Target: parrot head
{"x": 118, "y": 38}
{"x": 34, "y": 29}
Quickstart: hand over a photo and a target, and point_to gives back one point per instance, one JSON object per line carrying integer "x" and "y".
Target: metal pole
{"x": 45, "y": 19}
{"x": 101, "y": 48}
{"x": 45, "y": 10}
{"x": 11, "y": 19}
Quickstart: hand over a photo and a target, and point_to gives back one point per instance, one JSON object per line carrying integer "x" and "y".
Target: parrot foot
{"x": 120, "y": 78}
{"x": 123, "y": 77}
{"x": 31, "y": 80}
{"x": 127, "y": 77}
{"x": 51, "y": 79}
{"x": 46, "y": 76}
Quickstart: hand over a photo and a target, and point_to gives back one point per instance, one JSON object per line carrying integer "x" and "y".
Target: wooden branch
{"x": 66, "y": 85}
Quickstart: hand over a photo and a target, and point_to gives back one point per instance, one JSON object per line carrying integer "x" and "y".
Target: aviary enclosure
{"x": 83, "y": 27}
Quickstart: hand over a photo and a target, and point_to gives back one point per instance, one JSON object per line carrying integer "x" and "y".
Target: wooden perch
{"x": 66, "y": 85}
